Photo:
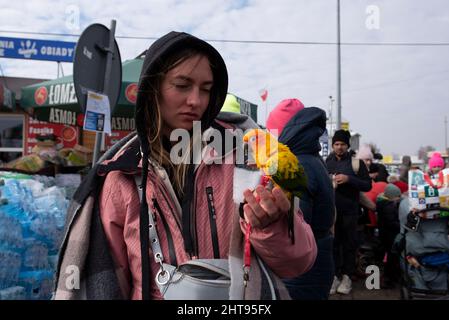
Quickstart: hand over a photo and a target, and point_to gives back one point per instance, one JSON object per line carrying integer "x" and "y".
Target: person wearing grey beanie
{"x": 392, "y": 192}
{"x": 388, "y": 223}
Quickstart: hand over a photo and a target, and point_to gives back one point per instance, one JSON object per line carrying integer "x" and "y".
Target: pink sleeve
{"x": 274, "y": 246}
{"x": 113, "y": 217}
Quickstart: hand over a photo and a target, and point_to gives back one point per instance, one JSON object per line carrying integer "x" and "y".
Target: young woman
{"x": 183, "y": 80}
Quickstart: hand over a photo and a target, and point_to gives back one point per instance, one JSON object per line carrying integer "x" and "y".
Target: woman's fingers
{"x": 255, "y": 207}
{"x": 264, "y": 207}
{"x": 267, "y": 201}
{"x": 250, "y": 216}
{"x": 281, "y": 199}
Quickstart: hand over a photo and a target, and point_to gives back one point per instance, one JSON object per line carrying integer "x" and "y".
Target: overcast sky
{"x": 394, "y": 96}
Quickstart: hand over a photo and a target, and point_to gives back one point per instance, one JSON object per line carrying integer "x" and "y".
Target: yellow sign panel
{"x": 387, "y": 159}
{"x": 444, "y": 202}
{"x": 345, "y": 126}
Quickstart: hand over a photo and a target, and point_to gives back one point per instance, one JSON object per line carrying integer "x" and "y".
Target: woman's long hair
{"x": 153, "y": 118}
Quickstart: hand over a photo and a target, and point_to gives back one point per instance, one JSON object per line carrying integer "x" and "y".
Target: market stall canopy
{"x": 7, "y": 99}
{"x": 55, "y": 100}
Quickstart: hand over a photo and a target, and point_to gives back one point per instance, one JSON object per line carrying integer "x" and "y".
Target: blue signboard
{"x": 50, "y": 50}
{"x": 324, "y": 142}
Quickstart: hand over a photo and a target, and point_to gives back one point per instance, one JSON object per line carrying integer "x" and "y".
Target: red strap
{"x": 247, "y": 249}
{"x": 440, "y": 180}
{"x": 264, "y": 180}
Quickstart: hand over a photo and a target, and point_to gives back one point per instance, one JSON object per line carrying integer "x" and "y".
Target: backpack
{"x": 355, "y": 164}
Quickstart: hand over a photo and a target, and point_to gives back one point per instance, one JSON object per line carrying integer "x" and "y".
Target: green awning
{"x": 55, "y": 100}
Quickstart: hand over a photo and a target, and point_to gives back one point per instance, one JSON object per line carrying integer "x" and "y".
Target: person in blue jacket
{"x": 300, "y": 129}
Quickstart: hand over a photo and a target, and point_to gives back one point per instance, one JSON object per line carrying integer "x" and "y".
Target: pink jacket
{"x": 119, "y": 208}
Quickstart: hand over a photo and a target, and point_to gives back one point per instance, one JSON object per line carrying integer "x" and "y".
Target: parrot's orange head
{"x": 262, "y": 144}
{"x": 255, "y": 136}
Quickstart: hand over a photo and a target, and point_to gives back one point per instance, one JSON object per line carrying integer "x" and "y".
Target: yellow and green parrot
{"x": 279, "y": 165}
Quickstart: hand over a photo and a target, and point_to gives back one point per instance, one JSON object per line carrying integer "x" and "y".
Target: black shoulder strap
{"x": 171, "y": 245}
{"x": 186, "y": 210}
{"x": 144, "y": 241}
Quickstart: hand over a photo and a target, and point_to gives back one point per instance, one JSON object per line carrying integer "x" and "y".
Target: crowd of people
{"x": 139, "y": 220}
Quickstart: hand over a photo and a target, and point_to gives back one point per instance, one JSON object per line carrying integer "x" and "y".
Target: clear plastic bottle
{"x": 13, "y": 293}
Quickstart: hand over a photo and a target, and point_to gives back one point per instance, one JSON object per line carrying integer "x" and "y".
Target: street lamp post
{"x": 445, "y": 134}
{"x": 338, "y": 69}
{"x": 331, "y": 120}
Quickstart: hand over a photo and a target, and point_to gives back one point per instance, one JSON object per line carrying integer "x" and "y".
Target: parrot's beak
{"x": 251, "y": 133}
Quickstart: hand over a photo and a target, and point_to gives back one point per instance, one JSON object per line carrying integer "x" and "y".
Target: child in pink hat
{"x": 436, "y": 163}
{"x": 282, "y": 114}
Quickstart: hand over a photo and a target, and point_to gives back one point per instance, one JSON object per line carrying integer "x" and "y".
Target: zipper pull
{"x": 245, "y": 276}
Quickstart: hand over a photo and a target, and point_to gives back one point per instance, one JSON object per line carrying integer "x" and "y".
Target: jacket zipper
{"x": 213, "y": 221}
{"x": 193, "y": 232}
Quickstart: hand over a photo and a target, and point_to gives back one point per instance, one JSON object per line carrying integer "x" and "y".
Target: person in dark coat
{"x": 382, "y": 174}
{"x": 348, "y": 184}
{"x": 387, "y": 204}
{"x": 300, "y": 129}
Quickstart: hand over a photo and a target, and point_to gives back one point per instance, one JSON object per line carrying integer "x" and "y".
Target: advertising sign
{"x": 66, "y": 136}
{"x": 35, "y": 49}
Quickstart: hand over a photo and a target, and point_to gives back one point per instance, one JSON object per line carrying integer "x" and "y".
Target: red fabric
{"x": 372, "y": 218}
{"x": 401, "y": 185}
{"x": 376, "y": 189}
{"x": 263, "y": 94}
{"x": 282, "y": 114}
{"x": 247, "y": 252}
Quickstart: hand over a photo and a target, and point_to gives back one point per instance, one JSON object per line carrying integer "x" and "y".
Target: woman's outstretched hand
{"x": 264, "y": 207}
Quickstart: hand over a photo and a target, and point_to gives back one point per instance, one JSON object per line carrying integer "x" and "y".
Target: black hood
{"x": 156, "y": 54}
{"x": 301, "y": 134}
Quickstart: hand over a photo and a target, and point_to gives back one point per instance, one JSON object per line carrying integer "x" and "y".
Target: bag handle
{"x": 162, "y": 276}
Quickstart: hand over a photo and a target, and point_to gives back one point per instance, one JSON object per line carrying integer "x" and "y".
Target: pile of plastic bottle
{"x": 32, "y": 217}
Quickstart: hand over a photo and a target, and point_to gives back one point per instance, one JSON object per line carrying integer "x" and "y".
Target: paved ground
{"x": 359, "y": 292}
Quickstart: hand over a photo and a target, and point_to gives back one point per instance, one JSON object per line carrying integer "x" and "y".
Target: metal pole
{"x": 266, "y": 112}
{"x": 107, "y": 76}
{"x": 331, "y": 120}
{"x": 445, "y": 134}
{"x": 338, "y": 69}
